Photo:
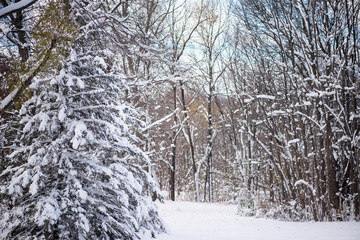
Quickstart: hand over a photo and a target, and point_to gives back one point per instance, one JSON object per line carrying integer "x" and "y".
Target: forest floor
{"x": 203, "y": 221}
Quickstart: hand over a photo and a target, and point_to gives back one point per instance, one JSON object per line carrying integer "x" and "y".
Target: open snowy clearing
{"x": 202, "y": 221}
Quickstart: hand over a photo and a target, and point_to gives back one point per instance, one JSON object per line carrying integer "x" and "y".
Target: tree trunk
{"x": 330, "y": 170}
{"x": 173, "y": 151}
{"x": 191, "y": 144}
{"x": 210, "y": 140}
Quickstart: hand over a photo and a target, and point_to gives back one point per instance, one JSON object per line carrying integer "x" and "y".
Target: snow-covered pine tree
{"x": 78, "y": 173}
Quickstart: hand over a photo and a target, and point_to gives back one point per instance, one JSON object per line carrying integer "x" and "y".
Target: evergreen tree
{"x": 78, "y": 173}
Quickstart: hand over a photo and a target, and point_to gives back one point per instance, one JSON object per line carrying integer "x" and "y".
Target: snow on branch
{"x": 8, "y": 99}
{"x": 27, "y": 81}
{"x": 302, "y": 182}
{"x": 16, "y": 7}
{"x": 160, "y": 121}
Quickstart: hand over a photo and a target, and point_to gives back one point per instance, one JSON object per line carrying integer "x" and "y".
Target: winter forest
{"x": 109, "y": 106}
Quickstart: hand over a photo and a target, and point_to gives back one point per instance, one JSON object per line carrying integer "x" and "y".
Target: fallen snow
{"x": 203, "y": 221}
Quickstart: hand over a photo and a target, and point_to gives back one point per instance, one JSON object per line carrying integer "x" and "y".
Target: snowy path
{"x": 199, "y": 221}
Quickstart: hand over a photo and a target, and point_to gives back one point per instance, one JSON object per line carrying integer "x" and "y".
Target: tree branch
{"x": 16, "y": 7}
{"x": 14, "y": 95}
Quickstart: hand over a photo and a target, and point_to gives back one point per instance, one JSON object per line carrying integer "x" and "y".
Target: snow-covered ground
{"x": 202, "y": 221}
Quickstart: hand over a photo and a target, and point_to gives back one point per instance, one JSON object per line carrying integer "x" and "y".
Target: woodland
{"x": 108, "y": 106}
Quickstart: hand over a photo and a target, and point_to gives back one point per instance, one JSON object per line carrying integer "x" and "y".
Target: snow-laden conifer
{"x": 78, "y": 173}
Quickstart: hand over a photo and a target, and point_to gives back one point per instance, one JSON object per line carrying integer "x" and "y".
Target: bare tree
{"x": 302, "y": 70}
{"x": 209, "y": 34}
